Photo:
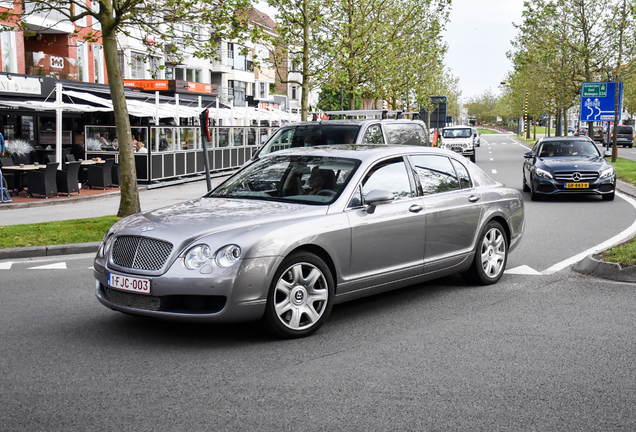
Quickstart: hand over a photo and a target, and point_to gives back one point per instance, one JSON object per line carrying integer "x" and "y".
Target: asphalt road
{"x": 550, "y": 350}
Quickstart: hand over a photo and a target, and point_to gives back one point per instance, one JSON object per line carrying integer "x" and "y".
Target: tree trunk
{"x": 304, "y": 97}
{"x": 129, "y": 202}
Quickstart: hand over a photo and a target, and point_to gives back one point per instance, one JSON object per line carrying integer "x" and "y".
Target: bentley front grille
{"x": 141, "y": 253}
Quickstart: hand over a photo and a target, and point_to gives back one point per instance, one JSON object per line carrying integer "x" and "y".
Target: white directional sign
{"x": 597, "y": 101}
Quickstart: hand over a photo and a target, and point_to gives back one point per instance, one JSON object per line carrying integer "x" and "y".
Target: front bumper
{"x": 553, "y": 187}
{"x": 234, "y": 294}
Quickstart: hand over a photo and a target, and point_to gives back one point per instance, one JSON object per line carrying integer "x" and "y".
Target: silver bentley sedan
{"x": 299, "y": 230}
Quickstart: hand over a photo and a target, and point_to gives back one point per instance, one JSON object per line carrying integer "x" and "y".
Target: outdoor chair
{"x": 66, "y": 180}
{"x": 114, "y": 172}
{"x": 9, "y": 177}
{"x": 42, "y": 181}
{"x": 100, "y": 175}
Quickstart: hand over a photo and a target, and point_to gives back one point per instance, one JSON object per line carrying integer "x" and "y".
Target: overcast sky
{"x": 478, "y": 37}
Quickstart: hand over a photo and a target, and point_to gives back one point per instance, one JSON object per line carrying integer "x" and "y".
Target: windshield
{"x": 305, "y": 179}
{"x": 311, "y": 135}
{"x": 569, "y": 148}
{"x": 457, "y": 133}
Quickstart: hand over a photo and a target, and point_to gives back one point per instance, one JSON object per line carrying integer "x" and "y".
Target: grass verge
{"x": 56, "y": 233}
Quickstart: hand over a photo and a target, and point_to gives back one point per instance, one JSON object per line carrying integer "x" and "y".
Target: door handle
{"x": 473, "y": 198}
{"x": 416, "y": 208}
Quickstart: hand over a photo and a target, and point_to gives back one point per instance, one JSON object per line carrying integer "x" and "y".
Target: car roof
{"x": 348, "y": 122}
{"x": 360, "y": 151}
{"x": 565, "y": 138}
{"x": 458, "y": 127}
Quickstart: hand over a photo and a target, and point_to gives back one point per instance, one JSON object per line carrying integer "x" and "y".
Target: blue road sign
{"x": 597, "y": 101}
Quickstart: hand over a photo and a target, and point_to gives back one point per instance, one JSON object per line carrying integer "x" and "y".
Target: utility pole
{"x": 526, "y": 117}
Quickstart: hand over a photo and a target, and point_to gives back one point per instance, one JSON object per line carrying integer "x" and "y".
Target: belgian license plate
{"x": 131, "y": 284}
{"x": 577, "y": 185}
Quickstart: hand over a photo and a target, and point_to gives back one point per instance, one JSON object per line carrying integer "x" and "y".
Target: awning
{"x": 52, "y": 106}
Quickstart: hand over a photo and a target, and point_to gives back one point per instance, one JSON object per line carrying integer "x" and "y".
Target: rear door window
{"x": 373, "y": 135}
{"x": 436, "y": 174}
{"x": 405, "y": 133}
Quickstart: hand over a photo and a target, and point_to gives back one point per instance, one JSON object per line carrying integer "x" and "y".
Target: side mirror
{"x": 528, "y": 155}
{"x": 375, "y": 197}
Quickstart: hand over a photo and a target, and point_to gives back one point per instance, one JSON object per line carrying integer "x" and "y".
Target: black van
{"x": 624, "y": 136}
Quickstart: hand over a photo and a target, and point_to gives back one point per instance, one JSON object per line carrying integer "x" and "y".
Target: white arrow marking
{"x": 56, "y": 266}
{"x": 523, "y": 270}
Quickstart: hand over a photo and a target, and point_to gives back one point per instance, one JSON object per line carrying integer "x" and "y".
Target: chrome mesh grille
{"x": 140, "y": 253}
{"x": 567, "y": 175}
{"x": 134, "y": 301}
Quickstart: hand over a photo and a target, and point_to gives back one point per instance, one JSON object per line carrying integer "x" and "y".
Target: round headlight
{"x": 197, "y": 256}
{"x": 228, "y": 255}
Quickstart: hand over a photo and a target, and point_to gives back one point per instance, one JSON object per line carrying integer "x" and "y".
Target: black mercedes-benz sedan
{"x": 569, "y": 165}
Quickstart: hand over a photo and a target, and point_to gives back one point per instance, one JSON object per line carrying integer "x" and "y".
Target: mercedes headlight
{"x": 607, "y": 173}
{"x": 197, "y": 256}
{"x": 543, "y": 173}
{"x": 227, "y": 255}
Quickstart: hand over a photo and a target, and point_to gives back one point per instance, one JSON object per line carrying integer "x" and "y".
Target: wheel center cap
{"x": 298, "y": 296}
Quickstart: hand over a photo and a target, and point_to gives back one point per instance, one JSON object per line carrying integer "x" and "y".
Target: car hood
{"x": 573, "y": 163}
{"x": 182, "y": 223}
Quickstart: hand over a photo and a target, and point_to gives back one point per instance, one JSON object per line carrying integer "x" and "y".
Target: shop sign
{"x": 195, "y": 87}
{"x": 15, "y": 84}
{"x": 268, "y": 106}
{"x": 57, "y": 62}
{"x": 150, "y": 85}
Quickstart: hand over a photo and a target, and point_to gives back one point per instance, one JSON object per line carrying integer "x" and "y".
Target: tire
{"x": 300, "y": 297}
{"x": 534, "y": 196}
{"x": 491, "y": 256}
{"x": 608, "y": 197}
{"x": 526, "y": 188}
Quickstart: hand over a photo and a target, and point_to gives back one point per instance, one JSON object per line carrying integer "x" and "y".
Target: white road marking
{"x": 491, "y": 159}
{"x": 629, "y": 232}
{"x": 523, "y": 270}
{"x": 494, "y": 171}
{"x": 5, "y": 265}
{"x": 56, "y": 266}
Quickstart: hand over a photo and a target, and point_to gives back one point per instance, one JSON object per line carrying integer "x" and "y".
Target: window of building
{"x": 169, "y": 72}
{"x": 6, "y": 4}
{"x": 9, "y": 51}
{"x": 137, "y": 66}
{"x": 155, "y": 67}
{"x": 98, "y": 62}
{"x": 294, "y": 92}
{"x": 95, "y": 8}
{"x": 82, "y": 61}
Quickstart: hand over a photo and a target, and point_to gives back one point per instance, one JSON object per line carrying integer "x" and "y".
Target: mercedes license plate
{"x": 577, "y": 185}
{"x": 131, "y": 284}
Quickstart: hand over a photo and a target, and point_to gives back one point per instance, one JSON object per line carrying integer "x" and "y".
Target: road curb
{"x": 47, "y": 251}
{"x": 606, "y": 270}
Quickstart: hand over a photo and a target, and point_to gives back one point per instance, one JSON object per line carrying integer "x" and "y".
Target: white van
{"x": 459, "y": 139}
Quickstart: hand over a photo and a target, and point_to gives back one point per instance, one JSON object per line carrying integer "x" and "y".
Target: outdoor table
{"x": 22, "y": 170}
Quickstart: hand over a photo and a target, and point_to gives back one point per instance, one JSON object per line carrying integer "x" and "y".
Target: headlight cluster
{"x": 197, "y": 256}
{"x": 607, "y": 173}
{"x": 104, "y": 248}
{"x": 543, "y": 173}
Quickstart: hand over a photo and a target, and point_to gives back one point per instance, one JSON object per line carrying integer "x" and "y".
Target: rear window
{"x": 311, "y": 135}
{"x": 405, "y": 133}
{"x": 627, "y": 130}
